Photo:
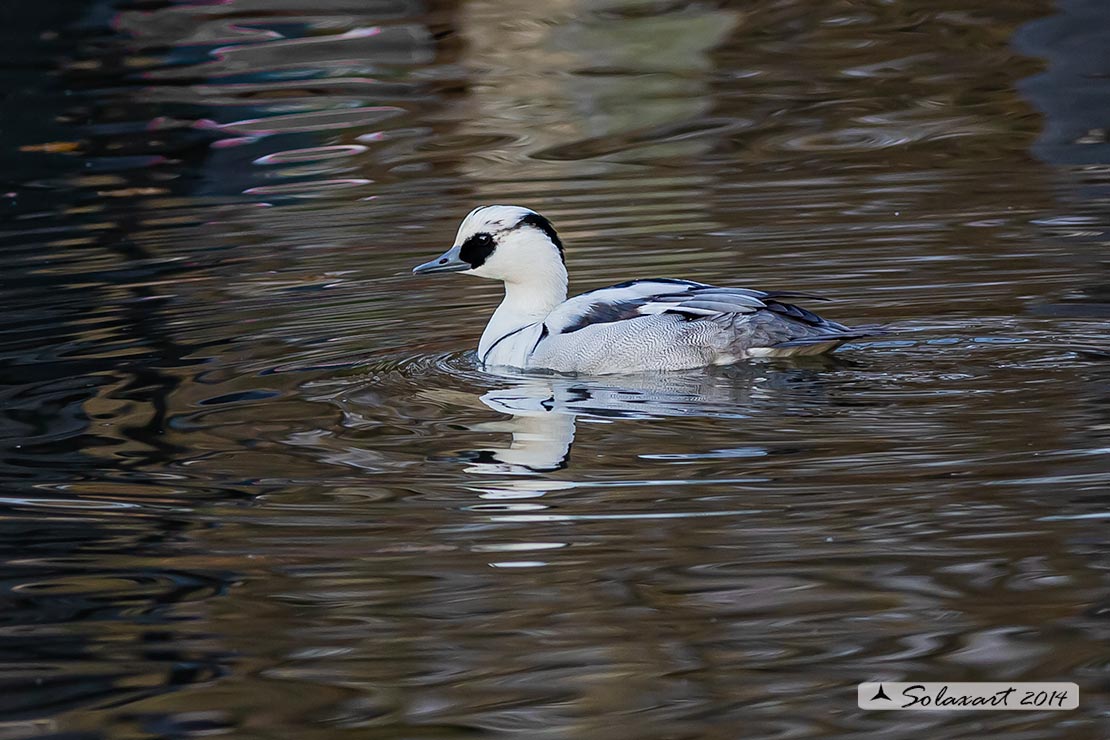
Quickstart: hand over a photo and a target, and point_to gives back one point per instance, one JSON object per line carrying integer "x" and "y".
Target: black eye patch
{"x": 477, "y": 249}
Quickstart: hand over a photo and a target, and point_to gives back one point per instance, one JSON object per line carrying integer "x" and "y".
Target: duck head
{"x": 507, "y": 243}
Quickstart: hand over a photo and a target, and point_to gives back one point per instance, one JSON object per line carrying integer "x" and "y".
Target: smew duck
{"x": 635, "y": 326}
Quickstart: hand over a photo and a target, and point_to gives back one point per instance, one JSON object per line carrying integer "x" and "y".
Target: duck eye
{"x": 484, "y": 238}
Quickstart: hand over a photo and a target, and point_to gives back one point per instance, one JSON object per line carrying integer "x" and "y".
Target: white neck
{"x": 528, "y": 300}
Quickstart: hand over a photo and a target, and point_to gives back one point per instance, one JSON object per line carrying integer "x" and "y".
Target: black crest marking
{"x": 477, "y": 249}
{"x": 541, "y": 223}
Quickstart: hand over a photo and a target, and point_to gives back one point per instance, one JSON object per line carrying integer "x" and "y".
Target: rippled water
{"x": 256, "y": 485}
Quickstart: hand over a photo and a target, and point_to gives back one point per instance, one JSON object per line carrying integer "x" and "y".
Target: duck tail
{"x": 817, "y": 344}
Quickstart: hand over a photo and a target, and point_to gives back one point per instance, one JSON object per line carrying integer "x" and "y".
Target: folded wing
{"x": 682, "y": 297}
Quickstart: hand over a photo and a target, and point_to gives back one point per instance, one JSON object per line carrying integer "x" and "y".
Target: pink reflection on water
{"x": 305, "y": 122}
{"x": 307, "y": 189}
{"x": 357, "y": 33}
{"x": 312, "y": 154}
{"x": 234, "y": 141}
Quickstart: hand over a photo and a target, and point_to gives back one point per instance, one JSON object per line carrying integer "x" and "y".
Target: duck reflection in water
{"x": 544, "y": 411}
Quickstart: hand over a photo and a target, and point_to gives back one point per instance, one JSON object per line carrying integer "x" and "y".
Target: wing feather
{"x": 683, "y": 297}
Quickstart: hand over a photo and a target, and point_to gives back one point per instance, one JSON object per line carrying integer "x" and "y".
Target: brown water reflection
{"x": 256, "y": 486}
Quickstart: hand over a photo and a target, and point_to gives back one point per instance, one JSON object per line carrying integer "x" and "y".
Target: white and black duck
{"x": 636, "y": 326}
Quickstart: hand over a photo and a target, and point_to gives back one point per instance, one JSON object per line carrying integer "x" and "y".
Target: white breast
{"x": 513, "y": 349}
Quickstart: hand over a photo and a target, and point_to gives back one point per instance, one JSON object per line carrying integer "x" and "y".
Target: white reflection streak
{"x": 531, "y": 64}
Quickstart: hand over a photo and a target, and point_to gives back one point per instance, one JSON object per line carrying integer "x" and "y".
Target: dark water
{"x": 254, "y": 484}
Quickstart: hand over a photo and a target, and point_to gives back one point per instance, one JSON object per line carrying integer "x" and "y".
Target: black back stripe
{"x": 605, "y": 313}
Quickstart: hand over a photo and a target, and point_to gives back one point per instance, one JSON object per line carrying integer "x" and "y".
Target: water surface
{"x": 255, "y": 484}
